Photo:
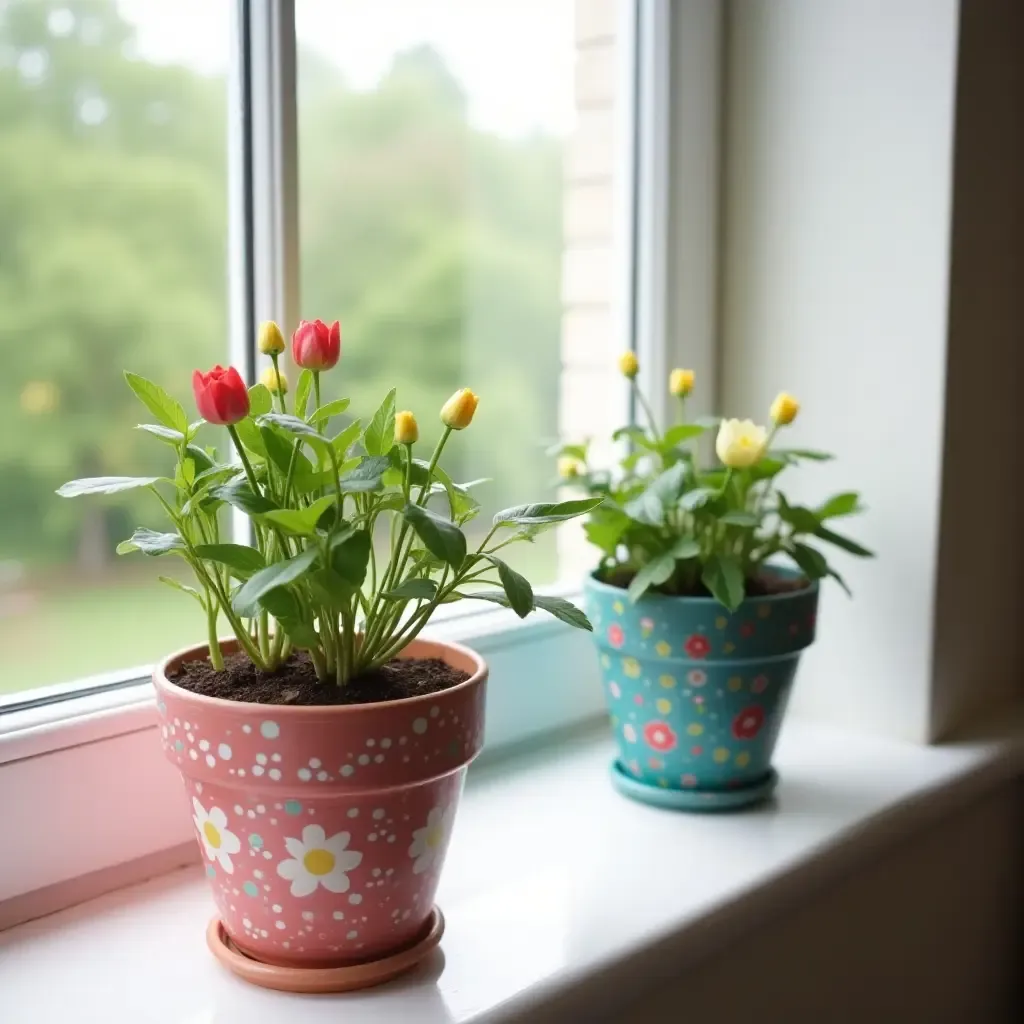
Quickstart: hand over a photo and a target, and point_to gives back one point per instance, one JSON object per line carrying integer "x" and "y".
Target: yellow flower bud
{"x": 568, "y": 467}
{"x": 784, "y": 409}
{"x": 680, "y": 382}
{"x": 458, "y": 411}
{"x": 274, "y": 380}
{"x": 740, "y": 443}
{"x": 407, "y": 430}
{"x": 270, "y": 341}
{"x": 628, "y": 366}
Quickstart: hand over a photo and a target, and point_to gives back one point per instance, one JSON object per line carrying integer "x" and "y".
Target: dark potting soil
{"x": 764, "y": 585}
{"x": 295, "y": 682}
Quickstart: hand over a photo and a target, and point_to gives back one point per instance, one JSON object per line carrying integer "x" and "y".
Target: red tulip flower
{"x": 315, "y": 346}
{"x": 221, "y": 396}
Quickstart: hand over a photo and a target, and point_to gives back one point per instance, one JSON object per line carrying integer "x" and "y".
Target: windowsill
{"x": 553, "y": 881}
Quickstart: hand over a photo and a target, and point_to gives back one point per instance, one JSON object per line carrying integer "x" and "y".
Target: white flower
{"x": 428, "y": 843}
{"x": 740, "y": 443}
{"x": 218, "y": 842}
{"x": 318, "y": 861}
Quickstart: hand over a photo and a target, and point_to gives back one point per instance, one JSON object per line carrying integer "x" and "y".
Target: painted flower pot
{"x": 696, "y": 693}
{"x": 324, "y": 829}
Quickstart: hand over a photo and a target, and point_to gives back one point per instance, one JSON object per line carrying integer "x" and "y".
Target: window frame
{"x": 62, "y": 754}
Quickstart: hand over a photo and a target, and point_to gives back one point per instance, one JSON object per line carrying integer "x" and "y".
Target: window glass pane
{"x": 113, "y": 214}
{"x": 435, "y": 172}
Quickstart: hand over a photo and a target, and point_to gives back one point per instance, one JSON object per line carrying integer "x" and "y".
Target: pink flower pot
{"x": 324, "y": 829}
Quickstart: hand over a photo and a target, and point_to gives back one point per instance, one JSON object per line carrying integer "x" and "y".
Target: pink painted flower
{"x": 655, "y": 764}
{"x": 697, "y": 646}
{"x": 638, "y": 699}
{"x": 689, "y": 780}
{"x": 615, "y": 635}
{"x": 629, "y": 732}
{"x": 747, "y": 724}
{"x": 697, "y": 677}
{"x": 759, "y": 684}
{"x": 747, "y": 629}
{"x": 811, "y": 620}
{"x": 634, "y": 767}
{"x": 696, "y": 751}
{"x": 659, "y": 736}
{"x": 646, "y": 627}
{"x": 615, "y": 690}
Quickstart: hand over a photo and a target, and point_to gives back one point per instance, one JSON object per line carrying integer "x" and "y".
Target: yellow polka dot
{"x": 664, "y": 649}
{"x": 763, "y": 611}
{"x": 742, "y": 759}
{"x": 606, "y": 662}
{"x": 631, "y": 667}
{"x": 721, "y": 755}
{"x": 721, "y": 622}
{"x": 663, "y": 782}
{"x": 663, "y": 706}
{"x": 695, "y": 729}
{"x": 667, "y": 681}
{"x": 618, "y": 608}
{"x": 735, "y": 683}
{"x": 728, "y": 647}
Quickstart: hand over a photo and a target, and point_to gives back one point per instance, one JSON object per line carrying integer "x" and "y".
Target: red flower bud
{"x": 221, "y": 395}
{"x": 315, "y": 346}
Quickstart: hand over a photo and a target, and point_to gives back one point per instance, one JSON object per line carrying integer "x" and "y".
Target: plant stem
{"x": 236, "y": 441}
{"x": 647, "y": 410}
{"x": 216, "y": 656}
{"x": 316, "y": 389}
{"x": 280, "y": 391}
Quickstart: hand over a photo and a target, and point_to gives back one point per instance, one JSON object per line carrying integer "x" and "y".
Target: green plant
{"x": 668, "y": 525}
{"x": 316, "y": 499}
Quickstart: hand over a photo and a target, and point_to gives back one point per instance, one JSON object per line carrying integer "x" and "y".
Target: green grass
{"x": 70, "y": 631}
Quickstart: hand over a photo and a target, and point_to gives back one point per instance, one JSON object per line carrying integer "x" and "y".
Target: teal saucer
{"x": 702, "y": 800}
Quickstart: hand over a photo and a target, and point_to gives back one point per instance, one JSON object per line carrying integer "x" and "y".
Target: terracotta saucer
{"x": 323, "y": 979}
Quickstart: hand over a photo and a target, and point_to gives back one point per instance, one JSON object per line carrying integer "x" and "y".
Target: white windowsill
{"x": 553, "y": 880}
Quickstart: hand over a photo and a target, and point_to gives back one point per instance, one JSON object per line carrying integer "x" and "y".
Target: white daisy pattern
{"x": 428, "y": 843}
{"x": 317, "y": 860}
{"x": 218, "y": 841}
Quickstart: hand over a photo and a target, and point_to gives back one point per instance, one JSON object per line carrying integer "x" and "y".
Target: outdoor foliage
{"x": 316, "y": 494}
{"x": 669, "y": 525}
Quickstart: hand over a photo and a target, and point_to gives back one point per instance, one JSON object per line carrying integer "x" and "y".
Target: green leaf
{"x": 810, "y": 560}
{"x": 168, "y": 411}
{"x": 300, "y": 521}
{"x": 292, "y": 424}
{"x": 367, "y": 476}
{"x": 646, "y": 508}
{"x": 149, "y": 542}
{"x": 684, "y": 548}
{"x": 168, "y": 434}
{"x": 184, "y": 588}
{"x": 739, "y": 518}
{"x": 303, "y": 388}
{"x": 413, "y": 590}
{"x": 350, "y": 556}
{"x": 104, "y": 485}
{"x": 605, "y": 528}
{"x": 331, "y": 589}
{"x": 240, "y": 495}
{"x": 250, "y": 436}
{"x": 279, "y": 574}
{"x": 723, "y": 576}
{"x": 801, "y": 453}
{"x": 440, "y": 536}
{"x": 682, "y": 432}
{"x": 260, "y": 400}
{"x": 379, "y": 438}
{"x": 329, "y": 409}
{"x": 564, "y": 610}
{"x": 461, "y": 504}
{"x": 843, "y": 542}
{"x": 279, "y": 450}
{"x": 766, "y": 469}
{"x": 343, "y": 441}
{"x": 802, "y": 519}
{"x": 572, "y": 451}
{"x": 845, "y": 504}
{"x": 199, "y": 457}
{"x": 651, "y": 574}
{"x": 839, "y": 579}
{"x": 694, "y": 499}
{"x": 242, "y": 560}
{"x": 517, "y": 587}
{"x": 545, "y": 512}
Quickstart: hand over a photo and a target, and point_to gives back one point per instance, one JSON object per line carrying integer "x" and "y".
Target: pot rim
{"x": 230, "y": 645}
{"x": 812, "y": 587}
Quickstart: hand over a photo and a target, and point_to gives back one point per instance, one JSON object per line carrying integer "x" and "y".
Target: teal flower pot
{"x": 696, "y": 693}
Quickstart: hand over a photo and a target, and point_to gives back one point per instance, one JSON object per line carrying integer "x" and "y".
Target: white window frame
{"x": 73, "y": 756}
